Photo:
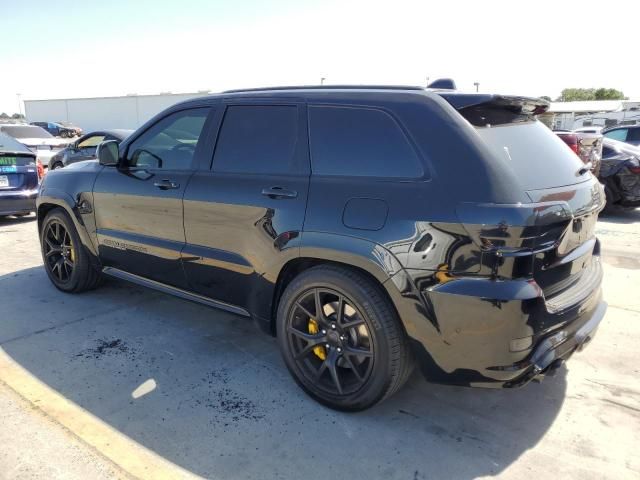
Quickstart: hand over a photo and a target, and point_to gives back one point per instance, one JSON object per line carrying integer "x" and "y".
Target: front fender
{"x": 78, "y": 209}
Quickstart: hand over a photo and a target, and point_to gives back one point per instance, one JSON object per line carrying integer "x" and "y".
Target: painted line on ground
{"x": 133, "y": 458}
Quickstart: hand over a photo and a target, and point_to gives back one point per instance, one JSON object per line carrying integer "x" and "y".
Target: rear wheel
{"x": 66, "y": 261}
{"x": 341, "y": 338}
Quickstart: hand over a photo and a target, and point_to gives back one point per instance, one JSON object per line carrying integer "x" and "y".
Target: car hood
{"x": 53, "y": 142}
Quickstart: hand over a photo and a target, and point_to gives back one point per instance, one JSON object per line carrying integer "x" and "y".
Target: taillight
{"x": 574, "y": 147}
{"x": 634, "y": 166}
{"x": 40, "y": 168}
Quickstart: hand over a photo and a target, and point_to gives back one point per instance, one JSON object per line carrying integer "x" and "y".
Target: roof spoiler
{"x": 483, "y": 109}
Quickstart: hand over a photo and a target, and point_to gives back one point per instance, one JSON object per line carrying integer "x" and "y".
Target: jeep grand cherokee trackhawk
{"x": 370, "y": 229}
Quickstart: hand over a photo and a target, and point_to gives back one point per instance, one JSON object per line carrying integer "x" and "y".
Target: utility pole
{"x": 322, "y": 79}
{"x": 477, "y": 85}
{"x": 18, "y": 95}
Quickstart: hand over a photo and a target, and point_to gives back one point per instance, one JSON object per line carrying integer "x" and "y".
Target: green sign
{"x": 8, "y": 160}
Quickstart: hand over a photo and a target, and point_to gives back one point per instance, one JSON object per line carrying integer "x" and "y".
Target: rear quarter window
{"x": 362, "y": 142}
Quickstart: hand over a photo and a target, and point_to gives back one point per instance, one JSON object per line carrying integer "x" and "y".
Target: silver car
{"x": 38, "y": 140}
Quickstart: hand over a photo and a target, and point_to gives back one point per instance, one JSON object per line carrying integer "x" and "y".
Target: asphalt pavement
{"x": 127, "y": 382}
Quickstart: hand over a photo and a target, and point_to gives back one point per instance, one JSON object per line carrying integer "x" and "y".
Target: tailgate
{"x": 18, "y": 171}
{"x": 564, "y": 266}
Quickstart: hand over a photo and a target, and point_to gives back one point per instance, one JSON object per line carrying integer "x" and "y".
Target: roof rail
{"x": 328, "y": 87}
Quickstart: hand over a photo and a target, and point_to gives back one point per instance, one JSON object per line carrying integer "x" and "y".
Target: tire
{"x": 384, "y": 361}
{"x": 82, "y": 275}
{"x": 609, "y": 207}
{"x": 56, "y": 165}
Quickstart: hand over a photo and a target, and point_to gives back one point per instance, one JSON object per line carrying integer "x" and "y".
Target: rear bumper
{"x": 18, "y": 202}
{"x": 559, "y": 346}
{"x": 489, "y": 333}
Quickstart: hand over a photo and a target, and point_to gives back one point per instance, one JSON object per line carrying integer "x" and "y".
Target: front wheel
{"x": 56, "y": 165}
{"x": 66, "y": 261}
{"x": 341, "y": 338}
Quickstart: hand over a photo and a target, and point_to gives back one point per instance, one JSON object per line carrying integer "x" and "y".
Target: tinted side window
{"x": 633, "y": 135}
{"x": 360, "y": 142}
{"x": 257, "y": 139}
{"x": 619, "y": 134}
{"x": 170, "y": 143}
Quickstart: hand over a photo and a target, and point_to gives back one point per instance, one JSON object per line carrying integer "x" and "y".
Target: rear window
{"x": 360, "y": 142}
{"x": 538, "y": 157}
{"x": 25, "y": 131}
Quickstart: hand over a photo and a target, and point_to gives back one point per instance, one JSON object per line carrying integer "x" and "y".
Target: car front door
{"x": 138, "y": 205}
{"x": 244, "y": 213}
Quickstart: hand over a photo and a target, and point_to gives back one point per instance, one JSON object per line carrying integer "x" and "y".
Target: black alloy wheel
{"x": 59, "y": 252}
{"x": 330, "y": 341}
{"x": 67, "y": 262}
{"x": 341, "y": 338}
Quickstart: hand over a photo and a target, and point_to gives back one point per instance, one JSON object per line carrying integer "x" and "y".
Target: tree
{"x": 4, "y": 115}
{"x": 576, "y": 94}
{"x": 545, "y": 97}
{"x": 609, "y": 94}
{"x": 17, "y": 116}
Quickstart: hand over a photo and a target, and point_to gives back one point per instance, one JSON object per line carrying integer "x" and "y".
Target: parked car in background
{"x": 56, "y": 129}
{"x": 85, "y": 147}
{"x": 628, "y": 133}
{"x": 38, "y": 140}
{"x": 588, "y": 146}
{"x": 19, "y": 177}
{"x": 620, "y": 173}
{"x": 335, "y": 218}
{"x": 591, "y": 129}
{"x": 77, "y": 130}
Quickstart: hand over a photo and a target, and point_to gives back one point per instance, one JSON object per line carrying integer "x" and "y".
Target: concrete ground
{"x": 126, "y": 382}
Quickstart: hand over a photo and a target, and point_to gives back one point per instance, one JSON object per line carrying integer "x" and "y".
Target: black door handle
{"x": 279, "y": 192}
{"x": 166, "y": 185}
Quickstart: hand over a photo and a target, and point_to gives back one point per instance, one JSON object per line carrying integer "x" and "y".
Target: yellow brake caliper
{"x": 72, "y": 253}
{"x": 313, "y": 329}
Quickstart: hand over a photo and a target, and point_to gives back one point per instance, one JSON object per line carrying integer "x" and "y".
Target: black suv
{"x": 371, "y": 229}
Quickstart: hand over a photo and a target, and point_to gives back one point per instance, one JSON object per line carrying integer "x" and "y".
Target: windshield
{"x": 537, "y": 155}
{"x": 25, "y": 131}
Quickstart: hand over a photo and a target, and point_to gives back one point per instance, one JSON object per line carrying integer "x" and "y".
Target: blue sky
{"x": 77, "y": 49}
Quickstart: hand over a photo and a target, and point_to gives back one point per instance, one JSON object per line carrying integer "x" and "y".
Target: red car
{"x": 588, "y": 146}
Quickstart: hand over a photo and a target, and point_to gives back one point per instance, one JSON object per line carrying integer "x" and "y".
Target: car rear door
{"x": 138, "y": 208}
{"x": 245, "y": 210}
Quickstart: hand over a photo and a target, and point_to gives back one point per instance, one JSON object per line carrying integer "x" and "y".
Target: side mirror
{"x": 108, "y": 153}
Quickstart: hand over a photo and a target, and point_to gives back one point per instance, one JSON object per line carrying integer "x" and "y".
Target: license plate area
{"x": 4, "y": 181}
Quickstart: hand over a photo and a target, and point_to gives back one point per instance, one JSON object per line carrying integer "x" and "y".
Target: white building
{"x": 604, "y": 113}
{"x": 100, "y": 113}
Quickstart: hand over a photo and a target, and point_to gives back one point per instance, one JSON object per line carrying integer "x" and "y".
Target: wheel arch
{"x": 367, "y": 258}
{"x": 51, "y": 199}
